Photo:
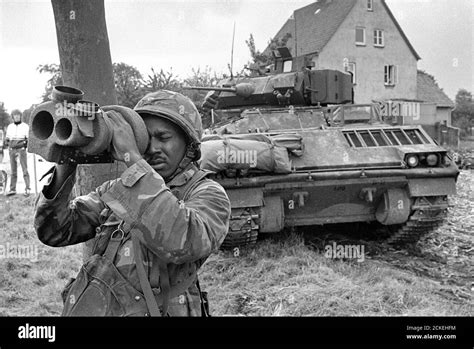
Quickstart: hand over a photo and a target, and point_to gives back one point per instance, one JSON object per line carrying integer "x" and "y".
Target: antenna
{"x": 232, "y": 55}
{"x": 296, "y": 36}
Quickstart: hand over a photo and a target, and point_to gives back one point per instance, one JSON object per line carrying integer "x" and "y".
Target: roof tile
{"x": 429, "y": 91}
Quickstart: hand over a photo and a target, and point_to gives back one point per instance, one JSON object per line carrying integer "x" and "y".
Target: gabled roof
{"x": 429, "y": 91}
{"x": 313, "y": 31}
{"x": 316, "y": 23}
{"x": 401, "y": 31}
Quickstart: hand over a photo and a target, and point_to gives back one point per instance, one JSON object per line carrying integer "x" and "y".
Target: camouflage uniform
{"x": 180, "y": 234}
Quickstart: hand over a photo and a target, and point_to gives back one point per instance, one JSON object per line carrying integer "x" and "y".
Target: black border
{"x": 229, "y": 331}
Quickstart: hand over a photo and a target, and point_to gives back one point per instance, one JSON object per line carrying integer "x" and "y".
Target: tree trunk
{"x": 86, "y": 64}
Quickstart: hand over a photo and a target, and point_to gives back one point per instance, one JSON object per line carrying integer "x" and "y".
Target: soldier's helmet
{"x": 178, "y": 109}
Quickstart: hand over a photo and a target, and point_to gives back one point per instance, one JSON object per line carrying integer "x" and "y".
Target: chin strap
{"x": 191, "y": 150}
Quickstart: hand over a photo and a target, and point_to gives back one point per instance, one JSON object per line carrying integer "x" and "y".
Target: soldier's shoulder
{"x": 207, "y": 183}
{"x": 107, "y": 185}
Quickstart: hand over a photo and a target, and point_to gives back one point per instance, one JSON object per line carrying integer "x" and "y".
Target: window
{"x": 351, "y": 68}
{"x": 287, "y": 65}
{"x": 370, "y": 5}
{"x": 390, "y": 75}
{"x": 360, "y": 36}
{"x": 378, "y": 38}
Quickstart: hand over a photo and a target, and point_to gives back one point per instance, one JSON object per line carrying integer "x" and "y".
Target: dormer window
{"x": 370, "y": 5}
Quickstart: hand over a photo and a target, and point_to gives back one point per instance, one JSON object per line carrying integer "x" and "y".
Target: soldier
{"x": 153, "y": 227}
{"x": 16, "y": 139}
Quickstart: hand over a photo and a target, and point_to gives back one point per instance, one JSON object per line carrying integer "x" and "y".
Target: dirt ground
{"x": 445, "y": 256}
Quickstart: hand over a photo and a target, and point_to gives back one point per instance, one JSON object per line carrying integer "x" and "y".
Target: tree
{"x": 27, "y": 113}
{"x": 202, "y": 78}
{"x": 128, "y": 84}
{"x": 262, "y": 59}
{"x": 86, "y": 64}
{"x": 56, "y": 78}
{"x": 463, "y": 114}
{"x": 463, "y": 98}
{"x": 162, "y": 81}
{"x": 4, "y": 118}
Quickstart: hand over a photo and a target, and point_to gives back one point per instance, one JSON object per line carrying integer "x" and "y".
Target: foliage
{"x": 463, "y": 97}
{"x": 201, "y": 78}
{"x": 27, "y": 113}
{"x": 262, "y": 59}
{"x": 131, "y": 85}
{"x": 56, "y": 78}
{"x": 463, "y": 114}
{"x": 198, "y": 78}
{"x": 257, "y": 56}
{"x": 161, "y": 81}
{"x": 128, "y": 84}
{"x": 4, "y": 117}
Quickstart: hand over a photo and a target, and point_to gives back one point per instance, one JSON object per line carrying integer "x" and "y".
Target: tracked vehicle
{"x": 291, "y": 149}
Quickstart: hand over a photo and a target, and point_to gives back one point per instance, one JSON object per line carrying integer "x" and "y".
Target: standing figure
{"x": 16, "y": 140}
{"x": 153, "y": 227}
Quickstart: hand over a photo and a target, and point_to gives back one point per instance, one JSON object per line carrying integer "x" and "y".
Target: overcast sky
{"x": 188, "y": 34}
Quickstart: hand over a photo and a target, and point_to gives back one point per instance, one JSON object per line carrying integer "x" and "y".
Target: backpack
{"x": 100, "y": 290}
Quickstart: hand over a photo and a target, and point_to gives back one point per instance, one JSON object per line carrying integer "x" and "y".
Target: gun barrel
{"x": 223, "y": 89}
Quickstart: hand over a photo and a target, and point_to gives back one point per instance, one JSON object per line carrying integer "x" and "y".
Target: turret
{"x": 290, "y": 82}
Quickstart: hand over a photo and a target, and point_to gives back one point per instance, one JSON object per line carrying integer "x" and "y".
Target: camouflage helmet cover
{"x": 175, "y": 107}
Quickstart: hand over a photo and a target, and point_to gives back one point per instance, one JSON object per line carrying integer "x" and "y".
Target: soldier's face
{"x": 167, "y": 145}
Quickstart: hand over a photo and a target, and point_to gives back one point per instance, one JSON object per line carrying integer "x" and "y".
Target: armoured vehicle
{"x": 291, "y": 149}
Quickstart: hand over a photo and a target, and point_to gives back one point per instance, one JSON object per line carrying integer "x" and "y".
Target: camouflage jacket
{"x": 180, "y": 234}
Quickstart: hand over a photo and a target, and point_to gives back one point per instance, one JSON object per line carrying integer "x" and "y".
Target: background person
{"x": 16, "y": 139}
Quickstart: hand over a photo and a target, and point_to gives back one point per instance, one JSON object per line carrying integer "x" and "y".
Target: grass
{"x": 31, "y": 286}
{"x": 283, "y": 277}
{"x": 280, "y": 276}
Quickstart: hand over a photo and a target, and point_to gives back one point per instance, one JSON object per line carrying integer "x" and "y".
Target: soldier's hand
{"x": 210, "y": 101}
{"x": 124, "y": 144}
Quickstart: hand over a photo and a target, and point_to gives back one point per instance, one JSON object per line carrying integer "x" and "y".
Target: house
{"x": 364, "y": 38}
{"x": 437, "y": 121}
{"x": 428, "y": 91}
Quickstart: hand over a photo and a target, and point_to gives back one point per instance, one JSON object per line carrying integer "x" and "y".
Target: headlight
{"x": 412, "y": 160}
{"x": 432, "y": 160}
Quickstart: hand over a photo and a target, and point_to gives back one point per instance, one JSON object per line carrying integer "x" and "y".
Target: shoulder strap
{"x": 166, "y": 291}
{"x": 144, "y": 283}
{"x": 181, "y": 193}
{"x": 115, "y": 238}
